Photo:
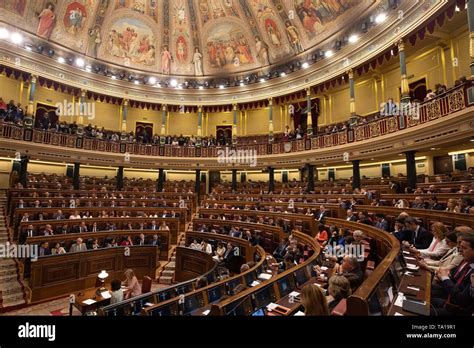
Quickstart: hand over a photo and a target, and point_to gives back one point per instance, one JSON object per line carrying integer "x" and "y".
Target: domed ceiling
{"x": 187, "y": 37}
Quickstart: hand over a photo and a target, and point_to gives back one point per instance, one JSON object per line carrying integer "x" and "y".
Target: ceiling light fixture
{"x": 16, "y": 38}
{"x": 353, "y": 38}
{"x": 4, "y": 33}
{"x": 382, "y": 17}
{"x": 80, "y": 62}
{"x": 152, "y": 80}
{"x": 305, "y": 65}
{"x": 173, "y": 83}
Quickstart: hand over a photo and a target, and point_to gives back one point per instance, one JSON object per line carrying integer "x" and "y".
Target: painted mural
{"x": 132, "y": 41}
{"x": 185, "y": 37}
{"x": 75, "y": 18}
{"x": 315, "y": 14}
{"x": 213, "y": 9}
{"x": 17, "y": 7}
{"x": 144, "y": 7}
{"x": 227, "y": 47}
{"x": 47, "y": 21}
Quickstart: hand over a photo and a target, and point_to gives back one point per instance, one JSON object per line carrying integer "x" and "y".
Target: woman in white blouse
{"x": 438, "y": 246}
{"x": 206, "y": 247}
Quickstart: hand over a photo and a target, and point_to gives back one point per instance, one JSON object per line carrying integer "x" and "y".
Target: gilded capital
{"x": 401, "y": 45}
{"x": 351, "y": 74}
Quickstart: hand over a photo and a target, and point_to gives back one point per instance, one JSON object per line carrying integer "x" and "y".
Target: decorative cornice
{"x": 380, "y": 40}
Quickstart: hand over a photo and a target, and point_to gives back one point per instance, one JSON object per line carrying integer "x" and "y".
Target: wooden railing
{"x": 60, "y": 275}
{"x": 120, "y": 223}
{"x": 450, "y": 102}
{"x": 169, "y": 296}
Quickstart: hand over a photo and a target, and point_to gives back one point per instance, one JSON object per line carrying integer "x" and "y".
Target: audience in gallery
{"x": 15, "y": 114}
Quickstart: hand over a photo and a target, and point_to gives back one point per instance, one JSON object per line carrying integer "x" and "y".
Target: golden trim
{"x": 443, "y": 65}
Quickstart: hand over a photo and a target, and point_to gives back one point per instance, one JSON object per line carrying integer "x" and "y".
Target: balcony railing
{"x": 454, "y": 100}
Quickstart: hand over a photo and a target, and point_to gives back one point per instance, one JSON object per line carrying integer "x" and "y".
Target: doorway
{"x": 144, "y": 132}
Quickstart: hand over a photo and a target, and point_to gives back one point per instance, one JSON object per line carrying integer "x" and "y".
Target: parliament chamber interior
{"x": 236, "y": 158}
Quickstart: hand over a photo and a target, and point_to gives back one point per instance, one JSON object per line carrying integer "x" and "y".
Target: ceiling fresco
{"x": 187, "y": 37}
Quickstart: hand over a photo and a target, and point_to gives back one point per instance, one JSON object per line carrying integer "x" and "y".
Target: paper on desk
{"x": 148, "y": 304}
{"x": 408, "y": 273}
{"x": 206, "y": 312}
{"x": 105, "y": 294}
{"x": 271, "y": 306}
{"x": 255, "y": 283}
{"x": 398, "y": 314}
{"x": 406, "y": 252}
{"x": 411, "y": 266}
{"x": 323, "y": 268}
{"x": 299, "y": 314}
{"x": 409, "y": 258}
{"x": 294, "y": 294}
{"x": 264, "y": 276}
{"x": 89, "y": 301}
{"x": 399, "y": 300}
{"x": 318, "y": 284}
{"x": 413, "y": 288}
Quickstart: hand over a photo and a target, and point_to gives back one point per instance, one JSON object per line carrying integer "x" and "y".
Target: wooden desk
{"x": 86, "y": 295}
{"x": 421, "y": 280}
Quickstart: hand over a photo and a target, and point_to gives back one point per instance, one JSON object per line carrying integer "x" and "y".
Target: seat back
{"x": 146, "y": 284}
{"x": 340, "y": 309}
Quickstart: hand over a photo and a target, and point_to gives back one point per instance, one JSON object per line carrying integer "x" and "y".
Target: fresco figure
{"x": 197, "y": 61}
{"x": 47, "y": 20}
{"x": 166, "y": 60}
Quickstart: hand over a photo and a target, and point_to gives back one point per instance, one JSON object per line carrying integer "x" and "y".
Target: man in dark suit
{"x": 381, "y": 222}
{"x": 350, "y": 215}
{"x": 420, "y": 237}
{"x": 350, "y": 268}
{"x": 141, "y": 240}
{"x": 28, "y": 232}
{"x": 44, "y": 249}
{"x": 58, "y": 215}
{"x": 434, "y": 205}
{"x": 453, "y": 293}
{"x": 321, "y": 214}
{"x": 154, "y": 226}
{"x": 155, "y": 241}
{"x": 81, "y": 228}
{"x": 63, "y": 229}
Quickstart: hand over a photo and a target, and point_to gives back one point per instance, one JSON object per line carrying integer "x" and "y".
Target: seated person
{"x": 313, "y": 300}
{"x": 350, "y": 268}
{"x": 438, "y": 246}
{"x": 339, "y": 288}
{"x": 451, "y": 259}
{"x": 130, "y": 284}
{"x": 452, "y": 294}
{"x": 117, "y": 292}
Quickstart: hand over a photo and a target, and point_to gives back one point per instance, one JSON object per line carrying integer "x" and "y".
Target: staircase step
{"x": 170, "y": 266}
{"x": 167, "y": 273}
{"x": 12, "y": 300}
{"x": 173, "y": 258}
{"x": 8, "y": 278}
{"x": 8, "y": 271}
{"x": 165, "y": 280}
